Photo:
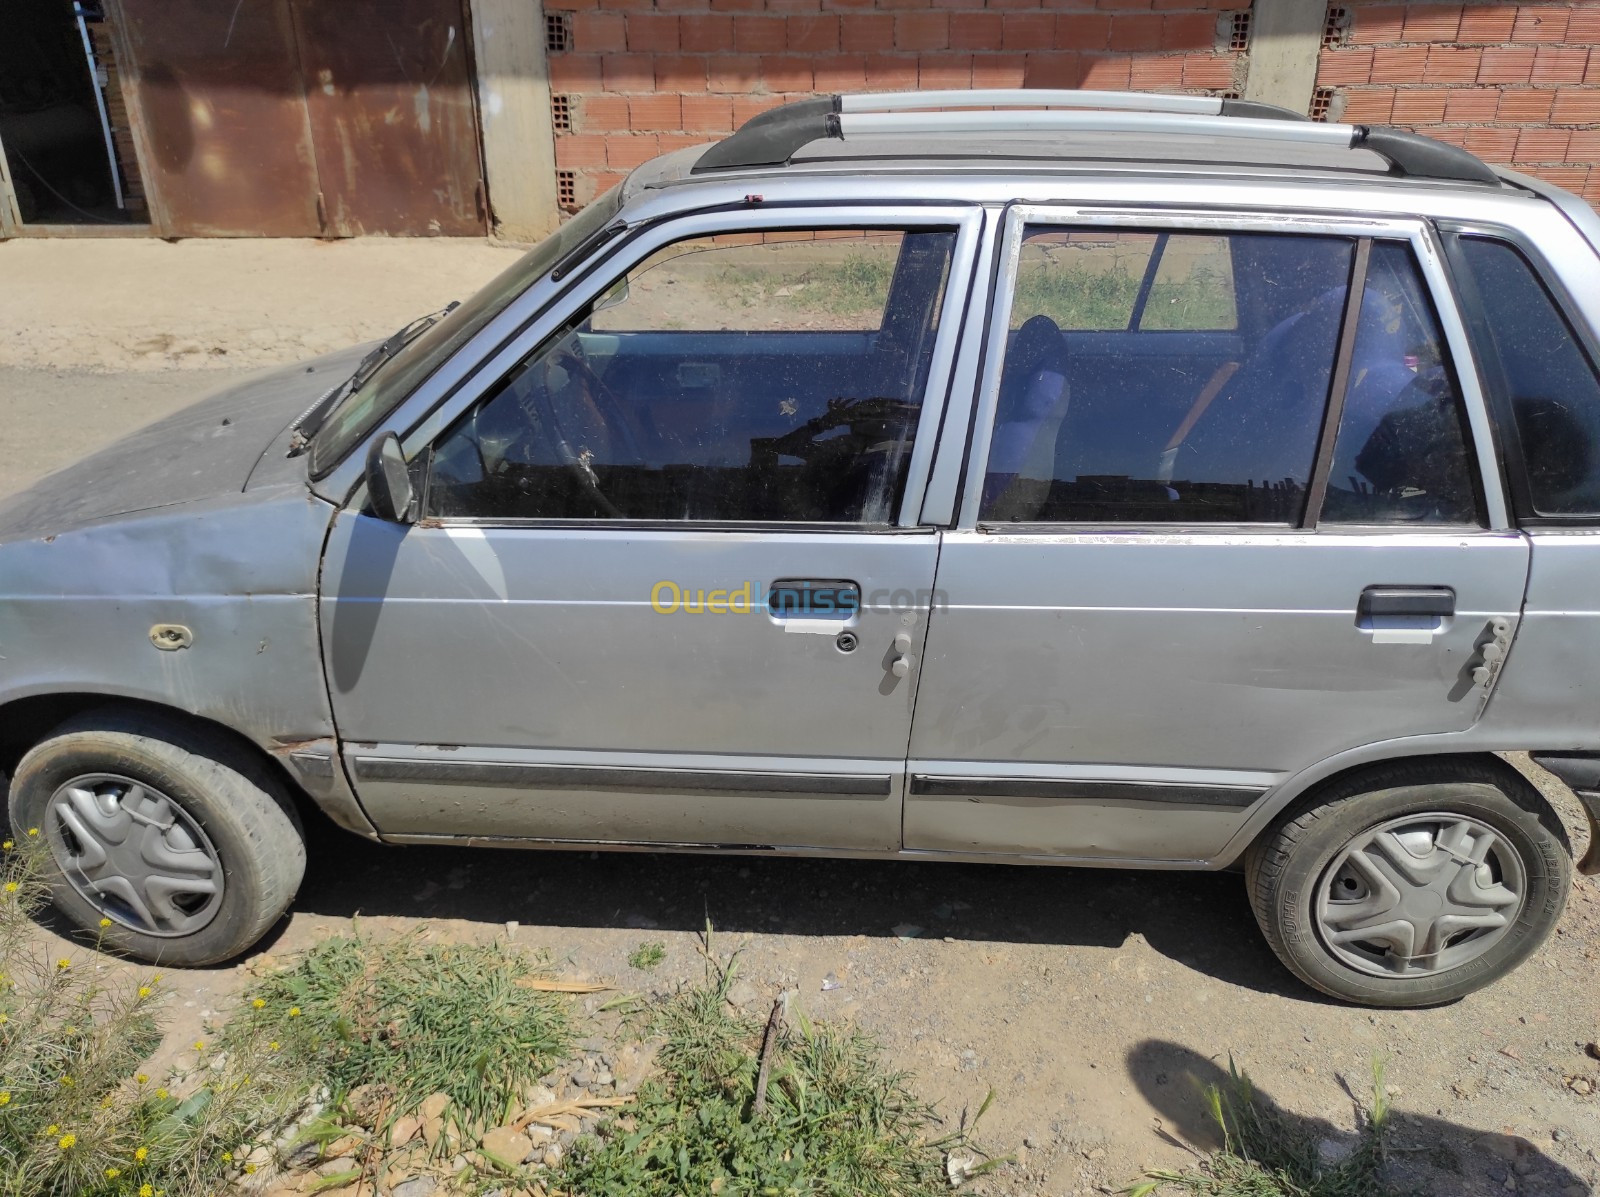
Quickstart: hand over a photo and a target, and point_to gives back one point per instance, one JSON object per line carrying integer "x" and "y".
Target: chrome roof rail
{"x": 773, "y": 137}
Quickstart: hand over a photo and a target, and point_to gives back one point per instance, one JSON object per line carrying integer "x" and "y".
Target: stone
{"x": 404, "y": 1129}
{"x": 343, "y": 1145}
{"x": 508, "y": 1144}
{"x": 1506, "y": 1147}
{"x": 741, "y": 994}
{"x": 368, "y": 1103}
{"x": 335, "y": 1165}
{"x": 417, "y": 1186}
{"x": 536, "y": 1097}
{"x": 432, "y": 1111}
{"x": 553, "y": 1154}
{"x": 1332, "y": 1151}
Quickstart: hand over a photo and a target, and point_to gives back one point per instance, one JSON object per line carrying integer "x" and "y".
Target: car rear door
{"x": 1158, "y": 601}
{"x": 671, "y": 550}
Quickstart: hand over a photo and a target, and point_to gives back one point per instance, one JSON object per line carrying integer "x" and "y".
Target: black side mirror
{"x": 389, "y": 490}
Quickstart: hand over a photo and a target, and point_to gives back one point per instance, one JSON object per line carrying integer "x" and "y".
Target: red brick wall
{"x": 647, "y": 76}
{"x": 1516, "y": 84}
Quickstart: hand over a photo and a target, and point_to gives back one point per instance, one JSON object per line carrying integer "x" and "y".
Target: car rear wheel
{"x": 1413, "y": 884}
{"x": 176, "y": 833}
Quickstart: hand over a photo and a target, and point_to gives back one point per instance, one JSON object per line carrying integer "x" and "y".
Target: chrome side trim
{"x": 1039, "y": 790}
{"x": 508, "y": 775}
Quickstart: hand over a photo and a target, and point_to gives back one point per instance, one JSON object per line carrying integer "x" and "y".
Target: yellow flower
{"x": 63, "y": 964}
{"x": 52, "y": 1129}
{"x": 273, "y": 1045}
{"x": 104, "y": 923}
{"x": 294, "y": 1011}
{"x": 140, "y": 1154}
{"x": 67, "y": 1081}
{"x": 4, "y": 1018}
{"x": 113, "y": 1173}
{"x": 5, "y": 1097}
{"x": 67, "y": 1141}
{"x": 141, "y": 1078}
{"x": 227, "y": 1157}
{"x": 11, "y": 887}
{"x": 105, "y": 1102}
{"x": 146, "y": 1191}
{"x": 33, "y": 831}
{"x": 144, "y": 991}
{"x": 199, "y": 1045}
{"x": 162, "y": 1094}
{"x": 259, "y": 1003}
{"x": 249, "y": 1168}
{"x": 8, "y": 845}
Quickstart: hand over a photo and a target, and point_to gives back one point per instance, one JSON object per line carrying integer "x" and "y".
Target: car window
{"x": 1533, "y": 358}
{"x": 759, "y": 377}
{"x": 1402, "y": 453}
{"x": 1103, "y": 280}
{"x": 1217, "y": 423}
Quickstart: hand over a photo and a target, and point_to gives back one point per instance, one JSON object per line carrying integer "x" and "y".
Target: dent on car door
{"x": 1161, "y": 600}
{"x": 576, "y": 644}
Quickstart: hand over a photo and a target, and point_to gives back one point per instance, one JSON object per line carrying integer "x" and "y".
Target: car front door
{"x": 669, "y": 557}
{"x": 1257, "y": 536}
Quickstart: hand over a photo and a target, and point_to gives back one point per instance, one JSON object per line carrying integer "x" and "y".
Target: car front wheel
{"x": 177, "y": 834}
{"x": 1413, "y": 884}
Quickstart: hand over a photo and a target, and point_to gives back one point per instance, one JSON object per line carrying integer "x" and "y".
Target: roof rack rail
{"x": 773, "y": 137}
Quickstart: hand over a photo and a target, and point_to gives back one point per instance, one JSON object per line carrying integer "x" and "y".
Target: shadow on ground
{"x": 1202, "y": 920}
{"x": 1426, "y": 1154}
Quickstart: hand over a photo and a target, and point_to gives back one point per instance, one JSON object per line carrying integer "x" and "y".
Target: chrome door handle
{"x": 1405, "y": 614}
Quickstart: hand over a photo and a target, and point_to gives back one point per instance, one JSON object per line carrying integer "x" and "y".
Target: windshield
{"x": 350, "y": 422}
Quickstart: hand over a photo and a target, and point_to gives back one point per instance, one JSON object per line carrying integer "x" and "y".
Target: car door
{"x": 669, "y": 552}
{"x": 1158, "y": 601}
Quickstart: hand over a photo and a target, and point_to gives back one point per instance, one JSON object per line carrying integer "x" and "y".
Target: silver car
{"x": 1028, "y": 477}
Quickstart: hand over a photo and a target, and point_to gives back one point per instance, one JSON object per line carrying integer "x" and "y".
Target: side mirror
{"x": 389, "y": 488}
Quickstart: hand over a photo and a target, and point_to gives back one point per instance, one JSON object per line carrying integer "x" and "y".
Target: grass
{"x": 857, "y": 285}
{"x": 647, "y": 955}
{"x": 835, "y": 1121}
{"x": 1077, "y": 297}
{"x": 1264, "y": 1153}
{"x": 424, "y": 1018}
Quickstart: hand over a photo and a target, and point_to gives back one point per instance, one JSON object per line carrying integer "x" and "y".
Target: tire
{"x": 1325, "y": 872}
{"x": 207, "y": 807}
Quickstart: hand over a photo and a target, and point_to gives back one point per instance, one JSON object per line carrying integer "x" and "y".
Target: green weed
{"x": 648, "y": 955}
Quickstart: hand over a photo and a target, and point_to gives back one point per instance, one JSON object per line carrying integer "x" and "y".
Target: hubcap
{"x": 135, "y": 854}
{"x": 1420, "y": 894}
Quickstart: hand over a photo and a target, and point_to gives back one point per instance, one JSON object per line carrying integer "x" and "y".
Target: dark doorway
{"x": 56, "y": 108}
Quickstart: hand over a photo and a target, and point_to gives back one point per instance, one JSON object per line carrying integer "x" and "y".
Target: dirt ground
{"x": 1091, "y": 1001}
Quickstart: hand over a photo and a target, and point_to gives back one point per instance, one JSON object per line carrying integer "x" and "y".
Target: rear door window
{"x": 1534, "y": 361}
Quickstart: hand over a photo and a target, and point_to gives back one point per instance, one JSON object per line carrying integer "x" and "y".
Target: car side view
{"x": 1082, "y": 478}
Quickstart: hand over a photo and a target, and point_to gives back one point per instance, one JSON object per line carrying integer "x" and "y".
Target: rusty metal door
{"x": 305, "y": 118}
{"x": 389, "y": 91}
{"x": 220, "y": 118}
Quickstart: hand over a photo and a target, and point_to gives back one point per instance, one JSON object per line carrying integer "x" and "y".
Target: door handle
{"x": 1405, "y": 614}
{"x": 821, "y": 605}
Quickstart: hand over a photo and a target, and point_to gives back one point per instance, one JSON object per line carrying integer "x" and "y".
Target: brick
{"x": 1576, "y": 106}
{"x": 746, "y": 107}
{"x": 628, "y": 72}
{"x": 1215, "y": 71}
{"x": 901, "y": 4}
{"x": 1573, "y": 178}
{"x": 867, "y": 32}
{"x": 1540, "y": 24}
{"x": 655, "y": 32}
{"x": 937, "y": 71}
{"x": 737, "y": 6}
{"x": 795, "y": 8}
{"x": 733, "y": 73}
{"x": 575, "y": 72}
{"x": 1058, "y": 69}
{"x": 627, "y": 6}
{"x": 1583, "y": 26}
{"x": 1012, "y": 5}
{"x": 1487, "y": 23}
{"x": 759, "y": 35}
{"x": 1371, "y": 104}
{"x": 1155, "y": 70}
{"x": 1418, "y": 106}
{"x": 707, "y": 114}
{"x": 1506, "y": 64}
{"x": 1344, "y": 66}
{"x": 678, "y": 141}
{"x": 602, "y": 114}
{"x": 1542, "y": 145}
{"x": 840, "y": 72}
{"x": 813, "y": 35}
{"x": 1399, "y": 64}
{"x": 1373, "y": 23}
{"x": 1451, "y": 64}
{"x": 1137, "y": 31}
{"x": 976, "y": 30}
{"x": 1110, "y": 73}
{"x": 1083, "y": 31}
{"x": 922, "y": 31}
{"x": 1449, "y": 136}
{"x": 1559, "y": 64}
{"x": 629, "y": 152}
{"x": 1472, "y": 104}
{"x": 681, "y": 73}
{"x": 573, "y": 150}
{"x": 653, "y": 113}
{"x": 1585, "y": 145}
{"x": 1123, "y": 5}
{"x": 705, "y": 32}
{"x": 891, "y": 72}
{"x": 1027, "y": 31}
{"x": 999, "y": 70}
{"x": 1189, "y": 31}
{"x": 1431, "y": 22}
{"x": 1592, "y": 75}
{"x": 786, "y": 72}
{"x": 1524, "y": 104}
{"x": 598, "y": 32}
{"x": 1493, "y": 145}
{"x": 849, "y": 5}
